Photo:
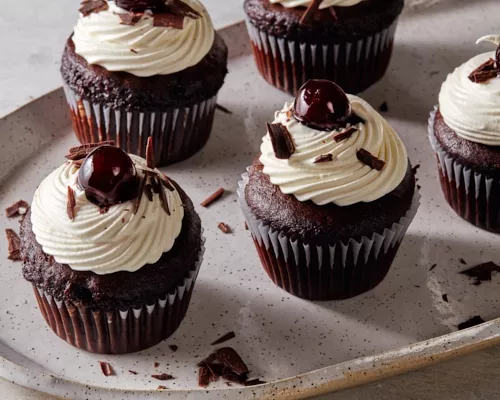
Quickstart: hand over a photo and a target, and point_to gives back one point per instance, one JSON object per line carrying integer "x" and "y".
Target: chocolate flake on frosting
{"x": 20, "y": 207}
{"x": 80, "y": 152}
{"x": 173, "y": 347}
{"x": 164, "y": 201}
{"x": 71, "y": 205}
{"x": 168, "y": 21}
{"x": 484, "y": 72}
{"x": 345, "y": 135}
{"x": 254, "y": 382}
{"x": 14, "y": 245}
{"x": 367, "y": 158}
{"x": 142, "y": 185}
{"x": 308, "y": 16}
{"x": 150, "y": 157}
{"x": 281, "y": 141}
{"x": 93, "y": 6}
{"x": 323, "y": 158}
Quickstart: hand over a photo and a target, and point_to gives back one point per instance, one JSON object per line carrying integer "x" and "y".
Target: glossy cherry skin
{"x": 140, "y": 5}
{"x": 108, "y": 176}
{"x": 322, "y": 104}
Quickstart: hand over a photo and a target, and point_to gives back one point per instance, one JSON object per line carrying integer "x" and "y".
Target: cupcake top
{"x": 324, "y": 3}
{"x": 105, "y": 211}
{"x": 143, "y": 37}
{"x": 329, "y": 147}
{"x": 469, "y": 100}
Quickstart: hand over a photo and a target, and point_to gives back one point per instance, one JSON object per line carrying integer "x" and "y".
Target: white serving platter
{"x": 301, "y": 348}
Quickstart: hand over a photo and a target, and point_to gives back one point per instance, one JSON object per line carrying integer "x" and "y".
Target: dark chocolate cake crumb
{"x": 281, "y": 140}
{"x": 174, "y": 347}
{"x": 132, "y": 372}
{"x": 213, "y": 197}
{"x": 106, "y": 368}
{"x": 246, "y": 226}
{"x": 223, "y": 109}
{"x": 323, "y": 158}
{"x": 14, "y": 243}
{"x": 163, "y": 377}
{"x": 383, "y": 107}
{"x": 20, "y": 207}
{"x": 445, "y": 297}
{"x": 367, "y": 158}
{"x": 482, "y": 272}
{"x": 224, "y": 228}
{"x": 432, "y": 267}
{"x": 224, "y": 338}
{"x": 71, "y": 204}
{"x": 150, "y": 157}
{"x": 166, "y": 182}
{"x": 477, "y": 320}
{"x": 93, "y": 6}
{"x": 345, "y": 135}
{"x": 204, "y": 376}
{"x": 149, "y": 192}
{"x": 310, "y": 12}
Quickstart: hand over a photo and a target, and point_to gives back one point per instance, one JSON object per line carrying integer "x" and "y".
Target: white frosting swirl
{"x": 324, "y": 4}
{"x": 117, "y": 240}
{"x": 345, "y": 180}
{"x": 142, "y": 49}
{"x": 471, "y": 109}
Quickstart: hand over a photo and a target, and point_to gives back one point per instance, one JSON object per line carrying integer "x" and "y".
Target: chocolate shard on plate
{"x": 168, "y": 21}
{"x": 308, "y": 16}
{"x": 80, "y": 152}
{"x": 462, "y": 261}
{"x": 155, "y": 185}
{"x": 173, "y": 347}
{"x": 345, "y": 135}
{"x": 367, "y": 158}
{"x": 477, "y": 320}
{"x": 213, "y": 197}
{"x": 281, "y": 141}
{"x": 130, "y": 19}
{"x": 254, "y": 382}
{"x": 482, "y": 272}
{"x": 163, "y": 377}
{"x": 93, "y": 6}
{"x": 71, "y": 204}
{"x": 204, "y": 376}
{"x": 224, "y": 338}
{"x": 106, "y": 368}
{"x": 20, "y": 207}
{"x": 484, "y": 72}
{"x": 224, "y": 228}
{"x": 14, "y": 243}
{"x": 223, "y": 109}
{"x": 132, "y": 372}
{"x": 228, "y": 357}
{"x": 323, "y": 158}
{"x": 140, "y": 192}
{"x": 445, "y": 297}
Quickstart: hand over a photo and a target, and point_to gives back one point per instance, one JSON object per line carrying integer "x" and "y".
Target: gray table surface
{"x": 31, "y": 39}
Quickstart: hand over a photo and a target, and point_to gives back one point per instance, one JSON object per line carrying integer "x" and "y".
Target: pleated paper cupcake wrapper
{"x": 119, "y": 331}
{"x": 288, "y": 64}
{"x": 335, "y": 271}
{"x": 472, "y": 195}
{"x": 178, "y": 133}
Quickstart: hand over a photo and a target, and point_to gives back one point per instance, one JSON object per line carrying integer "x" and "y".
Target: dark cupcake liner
{"x": 288, "y": 64}
{"x": 472, "y": 195}
{"x": 119, "y": 331}
{"x": 178, "y": 133}
{"x": 336, "y": 271}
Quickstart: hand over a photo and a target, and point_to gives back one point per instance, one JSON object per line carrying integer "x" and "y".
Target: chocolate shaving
{"x": 71, "y": 204}
{"x": 80, "y": 152}
{"x": 213, "y": 197}
{"x": 161, "y": 387}
{"x": 204, "y": 376}
{"x": 156, "y": 364}
{"x": 462, "y": 261}
{"x": 323, "y": 158}
{"x": 308, "y": 16}
{"x": 163, "y": 377}
{"x": 231, "y": 376}
{"x": 20, "y": 207}
{"x": 210, "y": 359}
{"x": 224, "y": 338}
{"x": 383, "y": 107}
{"x": 178, "y": 7}
{"x": 168, "y": 21}
{"x": 228, "y": 357}
{"x": 345, "y": 135}
{"x": 132, "y": 372}
{"x": 106, "y": 368}
{"x": 432, "y": 267}
{"x": 166, "y": 182}
{"x": 254, "y": 382}
{"x": 477, "y": 320}
{"x": 445, "y": 297}
{"x": 484, "y": 72}
{"x": 333, "y": 13}
{"x": 173, "y": 347}
{"x": 482, "y": 272}
{"x": 150, "y": 156}
{"x": 130, "y": 19}
{"x": 367, "y": 158}
{"x": 223, "y": 109}
{"x": 148, "y": 189}
{"x": 224, "y": 227}
{"x": 155, "y": 185}
{"x": 14, "y": 243}
{"x": 92, "y": 6}
{"x": 140, "y": 192}
{"x": 164, "y": 201}
{"x": 281, "y": 141}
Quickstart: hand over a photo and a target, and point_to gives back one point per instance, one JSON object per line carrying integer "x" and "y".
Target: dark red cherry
{"x": 322, "y": 104}
{"x": 140, "y": 5}
{"x": 108, "y": 176}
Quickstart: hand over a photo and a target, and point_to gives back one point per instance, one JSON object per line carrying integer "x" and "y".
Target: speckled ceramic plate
{"x": 301, "y": 348}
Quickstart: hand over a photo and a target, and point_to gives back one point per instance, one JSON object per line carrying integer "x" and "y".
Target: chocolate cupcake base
{"x": 178, "y": 133}
{"x": 119, "y": 331}
{"x": 335, "y": 271}
{"x": 473, "y": 195}
{"x": 288, "y": 64}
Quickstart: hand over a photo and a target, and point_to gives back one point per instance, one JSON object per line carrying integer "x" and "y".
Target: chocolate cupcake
{"x": 464, "y": 132}
{"x": 112, "y": 248}
{"x": 347, "y": 41}
{"x": 330, "y": 197}
{"x": 137, "y": 69}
